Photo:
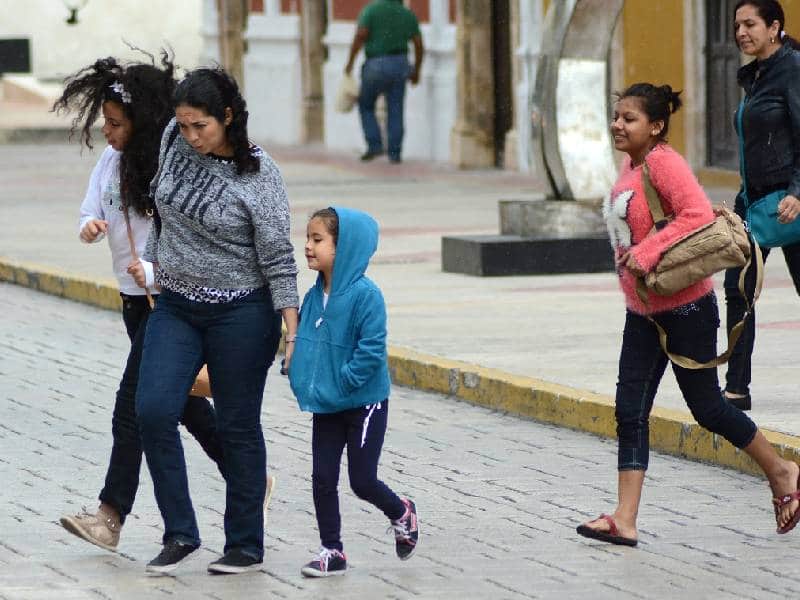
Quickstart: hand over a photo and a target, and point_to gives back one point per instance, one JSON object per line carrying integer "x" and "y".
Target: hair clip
{"x": 120, "y": 90}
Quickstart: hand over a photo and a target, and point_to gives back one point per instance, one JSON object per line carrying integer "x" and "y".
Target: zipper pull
{"x": 318, "y": 323}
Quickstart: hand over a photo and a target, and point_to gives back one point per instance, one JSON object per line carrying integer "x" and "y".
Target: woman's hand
{"x": 290, "y": 320}
{"x": 627, "y": 260}
{"x": 92, "y": 229}
{"x": 788, "y": 209}
{"x": 288, "y": 350}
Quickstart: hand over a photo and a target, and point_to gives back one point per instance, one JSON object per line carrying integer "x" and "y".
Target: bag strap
{"x": 740, "y": 133}
{"x": 736, "y": 331}
{"x": 657, "y": 212}
{"x": 132, "y": 244}
{"x": 170, "y": 140}
{"x": 653, "y": 201}
{"x": 659, "y": 221}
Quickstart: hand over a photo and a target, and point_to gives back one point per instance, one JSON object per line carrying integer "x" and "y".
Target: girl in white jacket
{"x": 136, "y": 103}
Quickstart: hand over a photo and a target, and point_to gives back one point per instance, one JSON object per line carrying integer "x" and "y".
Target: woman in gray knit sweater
{"x": 226, "y": 269}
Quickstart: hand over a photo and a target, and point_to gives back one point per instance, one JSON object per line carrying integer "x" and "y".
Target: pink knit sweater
{"x": 629, "y": 222}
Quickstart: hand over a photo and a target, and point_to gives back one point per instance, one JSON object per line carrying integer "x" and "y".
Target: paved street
{"x": 498, "y": 496}
{"x": 564, "y": 329}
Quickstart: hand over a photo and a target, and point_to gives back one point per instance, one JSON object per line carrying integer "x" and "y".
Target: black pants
{"x": 122, "y": 477}
{"x": 362, "y": 430}
{"x": 691, "y": 331}
{"x": 738, "y": 376}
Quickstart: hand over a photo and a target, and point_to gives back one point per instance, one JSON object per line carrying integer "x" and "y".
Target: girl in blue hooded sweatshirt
{"x": 339, "y": 372}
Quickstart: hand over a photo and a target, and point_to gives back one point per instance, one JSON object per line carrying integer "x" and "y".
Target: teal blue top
{"x": 340, "y": 357}
{"x": 391, "y": 26}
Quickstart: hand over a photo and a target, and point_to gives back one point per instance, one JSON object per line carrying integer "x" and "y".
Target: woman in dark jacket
{"x": 771, "y": 140}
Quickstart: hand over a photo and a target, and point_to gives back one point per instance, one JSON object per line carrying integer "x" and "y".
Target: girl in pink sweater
{"x": 690, "y": 317}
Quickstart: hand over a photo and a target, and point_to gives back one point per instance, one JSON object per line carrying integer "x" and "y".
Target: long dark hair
{"x": 658, "y": 102}
{"x": 770, "y": 11}
{"x": 144, "y": 91}
{"x": 212, "y": 90}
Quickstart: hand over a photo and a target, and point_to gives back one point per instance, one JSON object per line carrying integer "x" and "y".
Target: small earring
{"x": 772, "y": 40}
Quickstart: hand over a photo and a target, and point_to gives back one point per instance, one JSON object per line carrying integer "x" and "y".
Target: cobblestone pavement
{"x": 560, "y": 328}
{"x": 498, "y": 496}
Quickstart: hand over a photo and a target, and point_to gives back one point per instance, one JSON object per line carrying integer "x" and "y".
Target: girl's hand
{"x": 92, "y": 229}
{"x": 627, "y": 260}
{"x": 788, "y": 209}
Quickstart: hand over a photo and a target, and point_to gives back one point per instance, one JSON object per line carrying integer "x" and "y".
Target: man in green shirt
{"x": 385, "y": 27}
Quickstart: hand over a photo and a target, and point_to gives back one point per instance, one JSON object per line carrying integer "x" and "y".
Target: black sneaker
{"x": 234, "y": 561}
{"x": 328, "y": 563}
{"x": 170, "y": 557}
{"x": 406, "y": 531}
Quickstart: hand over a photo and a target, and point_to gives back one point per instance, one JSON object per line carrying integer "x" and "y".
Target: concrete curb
{"x": 673, "y": 432}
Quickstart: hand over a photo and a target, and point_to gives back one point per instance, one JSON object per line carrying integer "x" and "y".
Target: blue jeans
{"x": 361, "y": 430}
{"x": 691, "y": 331}
{"x": 384, "y": 75}
{"x": 122, "y": 476}
{"x": 738, "y": 375}
{"x": 238, "y": 340}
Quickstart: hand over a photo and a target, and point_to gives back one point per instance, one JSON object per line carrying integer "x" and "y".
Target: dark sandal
{"x": 611, "y": 536}
{"x": 779, "y": 503}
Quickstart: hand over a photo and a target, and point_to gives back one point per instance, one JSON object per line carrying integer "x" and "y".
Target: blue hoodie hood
{"x": 358, "y": 241}
{"x": 340, "y": 359}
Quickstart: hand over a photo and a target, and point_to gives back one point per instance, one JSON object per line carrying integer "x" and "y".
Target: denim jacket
{"x": 771, "y": 123}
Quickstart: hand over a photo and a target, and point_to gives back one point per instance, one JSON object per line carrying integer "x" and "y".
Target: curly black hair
{"x": 147, "y": 102}
{"x": 212, "y": 90}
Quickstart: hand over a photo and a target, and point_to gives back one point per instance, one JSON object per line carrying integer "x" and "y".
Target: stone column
{"x": 510, "y": 154}
{"x": 472, "y": 137}
{"x": 232, "y": 16}
{"x": 313, "y": 22}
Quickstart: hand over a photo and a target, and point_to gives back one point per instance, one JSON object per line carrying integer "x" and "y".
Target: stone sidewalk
{"x": 499, "y": 497}
{"x": 541, "y": 346}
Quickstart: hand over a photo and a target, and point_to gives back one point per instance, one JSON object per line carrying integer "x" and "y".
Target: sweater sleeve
{"x": 370, "y": 352}
{"x": 92, "y": 205}
{"x": 271, "y": 234}
{"x": 681, "y": 196}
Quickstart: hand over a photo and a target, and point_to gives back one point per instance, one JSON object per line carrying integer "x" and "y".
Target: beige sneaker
{"x": 268, "y": 496}
{"x": 100, "y": 529}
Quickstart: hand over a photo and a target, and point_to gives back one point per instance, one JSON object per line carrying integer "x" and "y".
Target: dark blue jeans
{"x": 738, "y": 376}
{"x": 122, "y": 476}
{"x": 362, "y": 431}
{"x": 238, "y": 340}
{"x": 691, "y": 331}
{"x": 384, "y": 75}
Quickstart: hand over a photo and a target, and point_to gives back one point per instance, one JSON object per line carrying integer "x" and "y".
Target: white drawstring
{"x": 371, "y": 408}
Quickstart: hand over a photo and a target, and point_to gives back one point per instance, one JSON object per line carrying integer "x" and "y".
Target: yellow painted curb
{"x": 103, "y": 294}
{"x": 673, "y": 432}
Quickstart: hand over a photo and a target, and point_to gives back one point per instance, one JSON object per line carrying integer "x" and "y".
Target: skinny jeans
{"x": 238, "y": 341}
{"x": 691, "y": 331}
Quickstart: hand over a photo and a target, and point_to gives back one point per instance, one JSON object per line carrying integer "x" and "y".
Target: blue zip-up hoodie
{"x": 340, "y": 359}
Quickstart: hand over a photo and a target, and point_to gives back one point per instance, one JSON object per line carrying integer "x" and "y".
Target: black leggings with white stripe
{"x": 362, "y": 430}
